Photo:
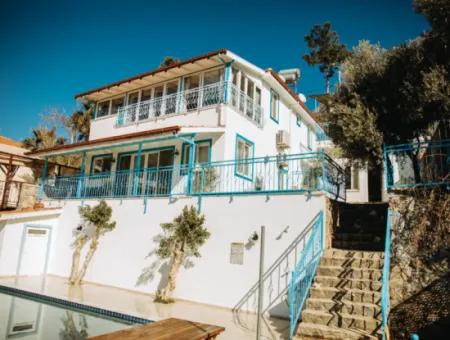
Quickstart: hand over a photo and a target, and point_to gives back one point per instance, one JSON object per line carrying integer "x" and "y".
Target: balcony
{"x": 307, "y": 172}
{"x": 425, "y": 164}
{"x": 190, "y": 101}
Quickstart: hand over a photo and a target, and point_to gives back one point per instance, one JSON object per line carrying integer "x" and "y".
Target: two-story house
{"x": 227, "y": 107}
{"x": 215, "y": 132}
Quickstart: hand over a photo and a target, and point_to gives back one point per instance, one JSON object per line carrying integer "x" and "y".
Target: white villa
{"x": 227, "y": 107}
{"x": 214, "y": 131}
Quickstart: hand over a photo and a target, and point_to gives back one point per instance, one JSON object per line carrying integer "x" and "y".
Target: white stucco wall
{"x": 11, "y": 235}
{"x": 122, "y": 255}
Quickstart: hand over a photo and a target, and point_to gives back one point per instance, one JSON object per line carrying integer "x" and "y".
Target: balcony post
{"x": 137, "y": 169}
{"x": 226, "y": 94}
{"x": 180, "y": 96}
{"x": 81, "y": 176}
{"x": 191, "y": 165}
{"x": 43, "y": 178}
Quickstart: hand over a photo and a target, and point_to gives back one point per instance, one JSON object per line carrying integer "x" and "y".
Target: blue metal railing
{"x": 385, "y": 298}
{"x": 304, "y": 272}
{"x": 307, "y": 172}
{"x": 417, "y": 164}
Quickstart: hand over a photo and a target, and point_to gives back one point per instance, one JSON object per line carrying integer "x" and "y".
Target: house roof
{"x": 10, "y": 142}
{"x": 107, "y": 140}
{"x": 153, "y": 72}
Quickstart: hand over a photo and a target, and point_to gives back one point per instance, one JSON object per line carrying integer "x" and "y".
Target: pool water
{"x": 26, "y": 319}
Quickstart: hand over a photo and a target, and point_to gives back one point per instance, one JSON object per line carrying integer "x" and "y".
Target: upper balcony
{"x": 189, "y": 101}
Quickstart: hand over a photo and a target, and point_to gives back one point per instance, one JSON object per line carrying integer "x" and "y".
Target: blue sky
{"x": 51, "y": 50}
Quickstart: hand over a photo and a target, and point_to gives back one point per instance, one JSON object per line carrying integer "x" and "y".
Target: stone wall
{"x": 27, "y": 196}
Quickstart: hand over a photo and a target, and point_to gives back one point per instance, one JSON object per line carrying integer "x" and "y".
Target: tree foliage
{"x": 326, "y": 51}
{"x": 95, "y": 223}
{"x": 168, "y": 61}
{"x": 79, "y": 122}
{"x": 42, "y": 138}
{"x": 392, "y": 96}
{"x": 182, "y": 238}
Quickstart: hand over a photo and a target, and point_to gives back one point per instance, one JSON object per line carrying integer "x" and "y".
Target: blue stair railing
{"x": 385, "y": 298}
{"x": 304, "y": 272}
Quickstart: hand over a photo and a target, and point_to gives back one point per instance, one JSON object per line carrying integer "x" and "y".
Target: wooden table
{"x": 168, "y": 329}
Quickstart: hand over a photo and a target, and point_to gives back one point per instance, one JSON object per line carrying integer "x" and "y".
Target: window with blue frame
{"x": 244, "y": 157}
{"x": 101, "y": 163}
{"x": 202, "y": 153}
{"x": 274, "y": 106}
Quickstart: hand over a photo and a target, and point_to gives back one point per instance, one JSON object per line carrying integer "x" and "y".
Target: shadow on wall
{"x": 426, "y": 313}
{"x": 162, "y": 267}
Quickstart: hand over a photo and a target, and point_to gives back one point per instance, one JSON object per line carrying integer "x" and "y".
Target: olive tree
{"x": 95, "y": 223}
{"x": 181, "y": 239}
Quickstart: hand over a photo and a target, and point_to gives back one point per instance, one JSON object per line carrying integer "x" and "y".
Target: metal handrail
{"x": 385, "y": 297}
{"x": 190, "y": 100}
{"x": 304, "y": 273}
{"x": 307, "y": 172}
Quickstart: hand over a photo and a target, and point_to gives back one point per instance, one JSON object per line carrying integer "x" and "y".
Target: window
{"x": 171, "y": 101}
{"x": 116, "y": 104}
{"x": 211, "y": 94}
{"x": 299, "y": 120}
{"x": 103, "y": 109}
{"x": 212, "y": 77}
{"x": 202, "y": 152}
{"x": 244, "y": 153}
{"x": 101, "y": 163}
{"x": 352, "y": 177}
{"x": 191, "y": 97}
{"x": 146, "y": 95}
{"x": 274, "y": 106}
{"x": 309, "y": 137}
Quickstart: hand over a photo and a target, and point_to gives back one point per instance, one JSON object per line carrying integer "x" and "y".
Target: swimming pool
{"x": 30, "y": 319}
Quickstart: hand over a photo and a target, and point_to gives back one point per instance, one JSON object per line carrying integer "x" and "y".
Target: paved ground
{"x": 240, "y": 326}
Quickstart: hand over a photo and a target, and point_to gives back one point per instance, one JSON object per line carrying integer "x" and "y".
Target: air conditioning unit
{"x": 283, "y": 139}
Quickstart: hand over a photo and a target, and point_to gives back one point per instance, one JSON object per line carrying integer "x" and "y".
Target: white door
{"x": 34, "y": 251}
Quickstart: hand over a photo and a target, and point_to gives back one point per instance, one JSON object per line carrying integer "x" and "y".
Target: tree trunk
{"x": 79, "y": 244}
{"x": 177, "y": 259}
{"x": 88, "y": 258}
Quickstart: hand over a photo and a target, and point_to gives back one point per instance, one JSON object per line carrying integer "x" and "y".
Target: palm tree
{"x": 43, "y": 138}
{"x": 79, "y": 122}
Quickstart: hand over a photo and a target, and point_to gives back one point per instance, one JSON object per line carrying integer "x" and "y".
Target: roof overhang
{"x": 192, "y": 65}
{"x": 109, "y": 142}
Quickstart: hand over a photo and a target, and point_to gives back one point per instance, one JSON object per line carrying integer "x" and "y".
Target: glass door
{"x": 171, "y": 97}
{"x": 158, "y": 179}
{"x": 191, "y": 96}
{"x": 123, "y": 176}
{"x": 157, "y": 103}
{"x": 133, "y": 99}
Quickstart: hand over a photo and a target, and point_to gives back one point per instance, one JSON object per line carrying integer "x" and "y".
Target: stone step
{"x": 351, "y": 262}
{"x": 353, "y": 295}
{"x": 340, "y": 320}
{"x": 348, "y": 307}
{"x": 334, "y": 252}
{"x": 336, "y": 282}
{"x": 357, "y": 245}
{"x": 349, "y": 273}
{"x": 307, "y": 331}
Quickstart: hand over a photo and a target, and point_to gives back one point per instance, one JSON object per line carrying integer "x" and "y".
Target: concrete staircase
{"x": 345, "y": 298}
